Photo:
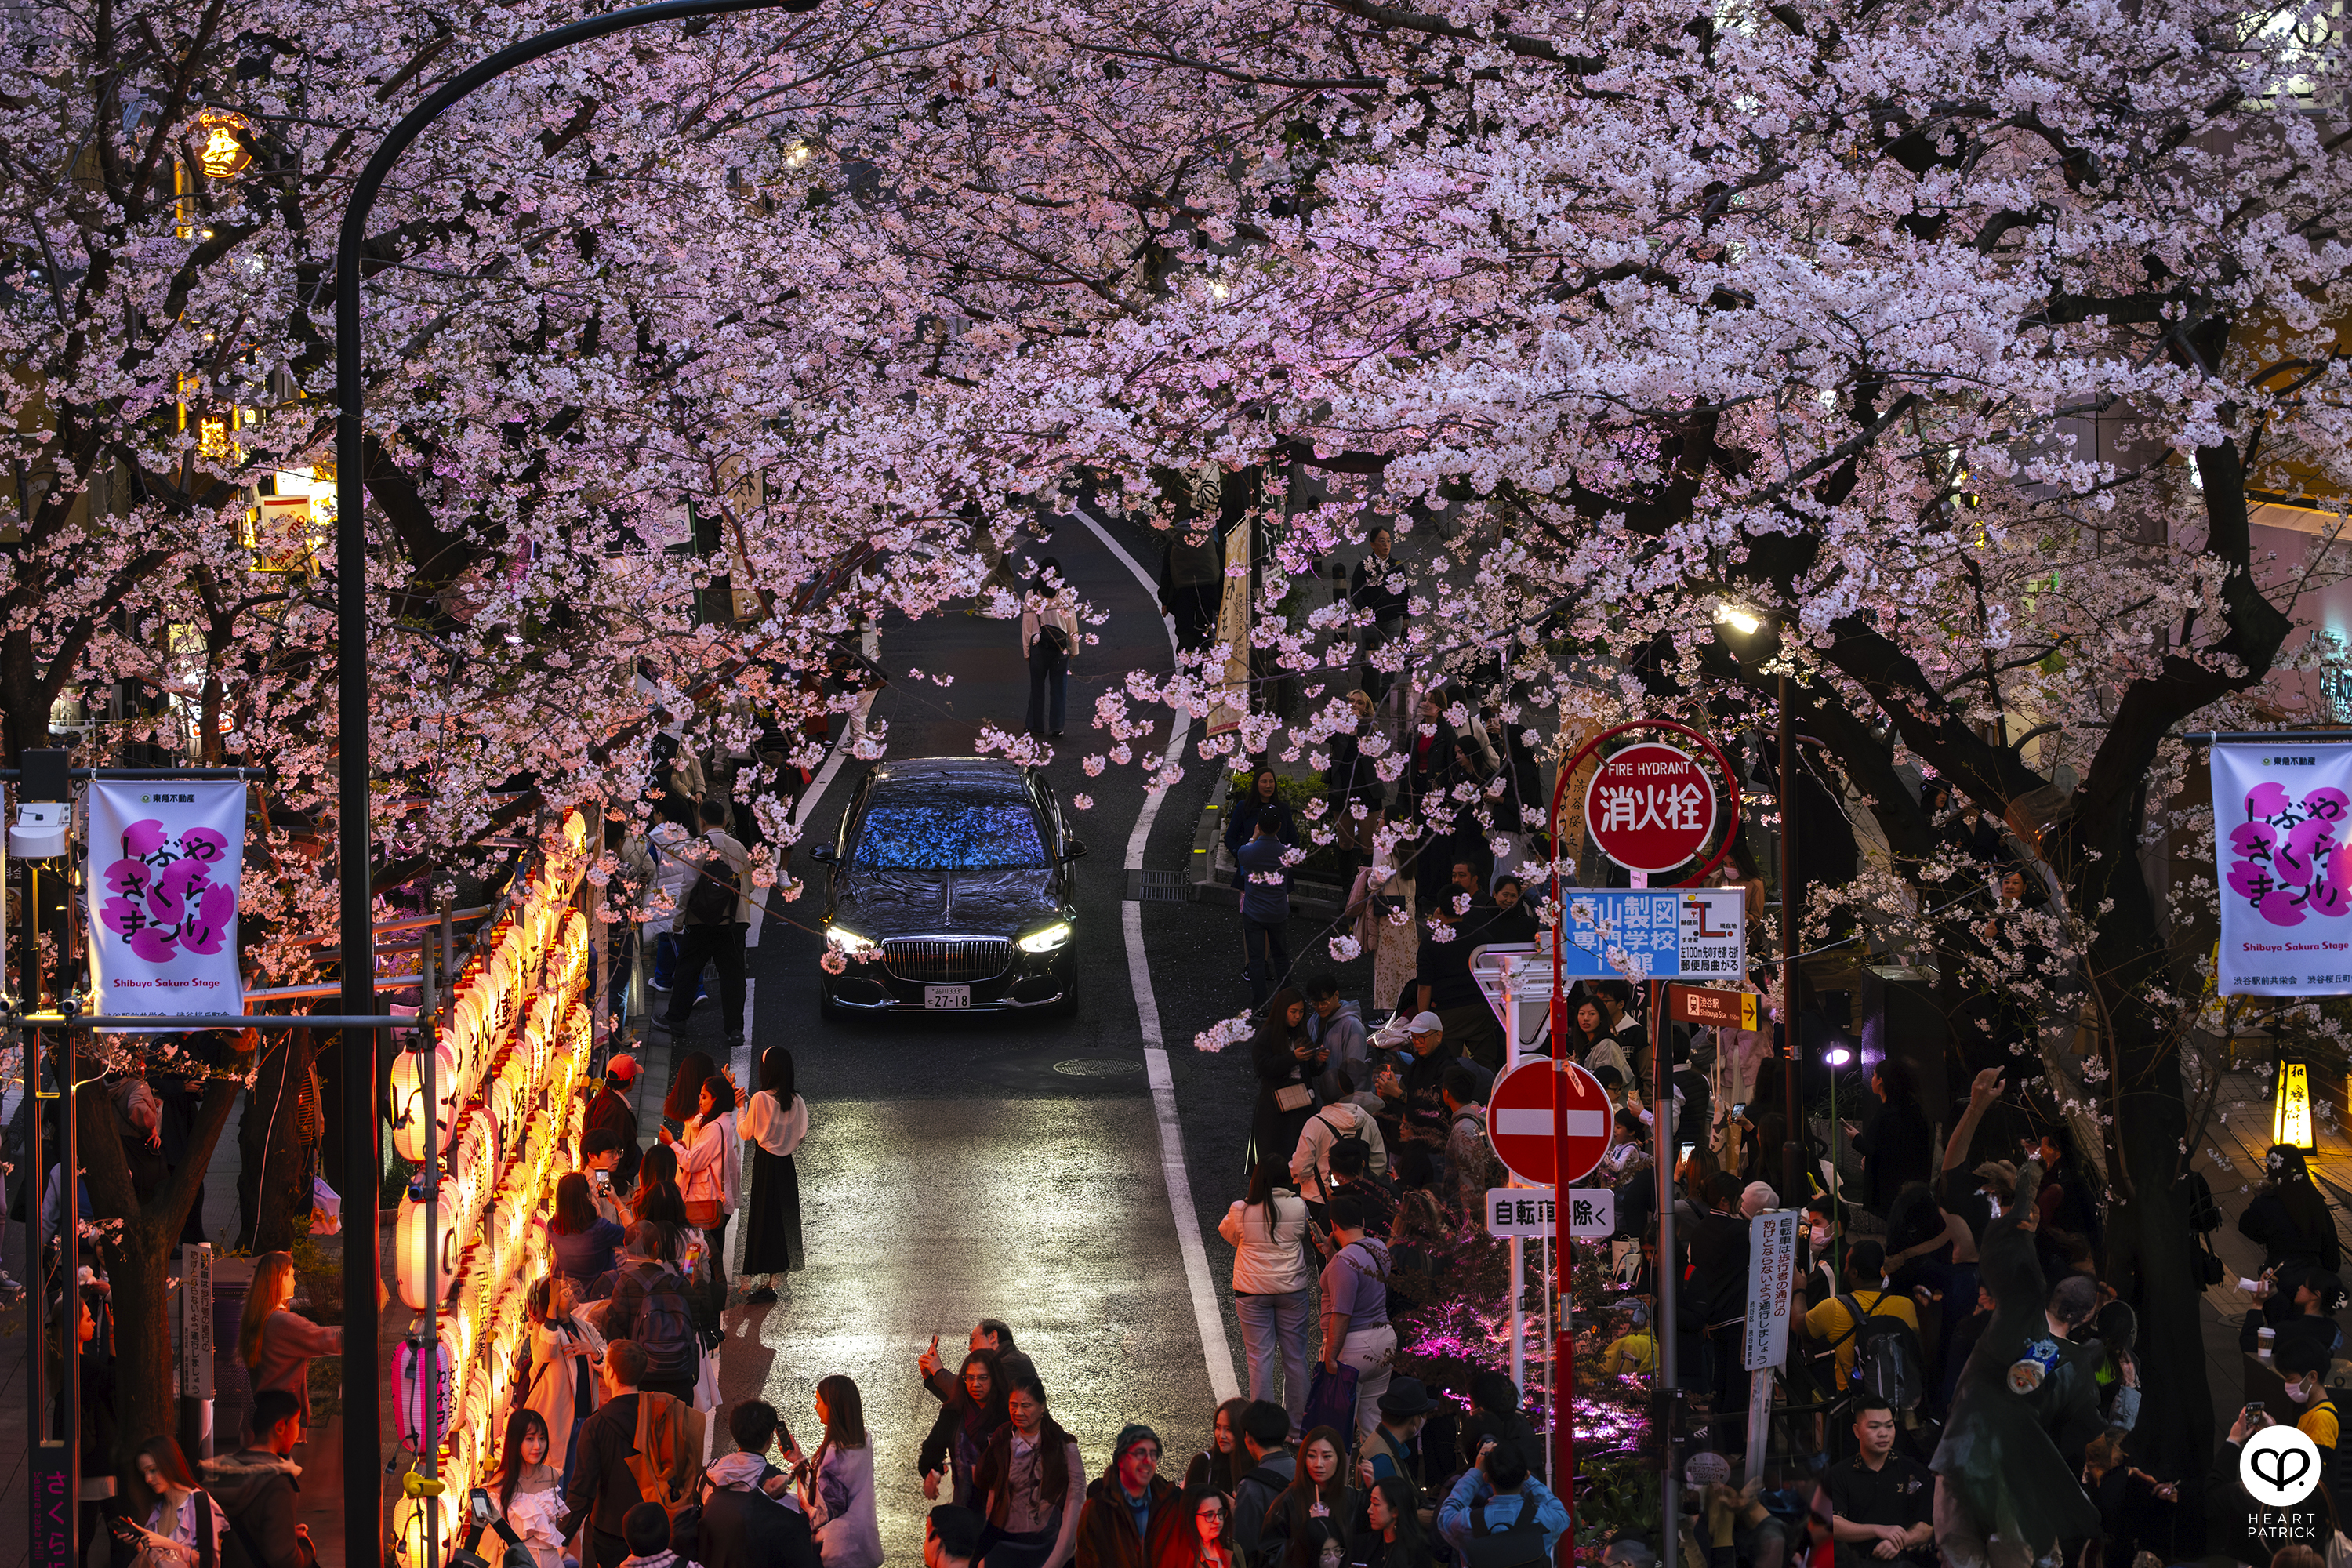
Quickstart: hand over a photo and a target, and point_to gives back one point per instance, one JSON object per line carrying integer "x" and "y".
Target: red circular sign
{"x": 1519, "y": 1122}
{"x": 1650, "y": 807}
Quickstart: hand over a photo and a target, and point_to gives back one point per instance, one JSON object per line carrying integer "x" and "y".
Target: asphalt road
{"x": 957, "y": 1168}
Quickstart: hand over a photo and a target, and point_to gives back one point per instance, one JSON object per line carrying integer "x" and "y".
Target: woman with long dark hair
{"x": 966, "y": 1422}
{"x": 2292, "y": 1224}
{"x": 527, "y": 1490}
{"x": 684, "y": 1099}
{"x": 1030, "y": 1491}
{"x": 657, "y": 1198}
{"x": 1263, "y": 799}
{"x": 1206, "y": 1539}
{"x": 1272, "y": 1286}
{"x": 711, "y": 1172}
{"x": 1286, "y": 1063}
{"x": 1316, "y": 1511}
{"x": 1049, "y": 637}
{"x": 1391, "y": 1535}
{"x": 1221, "y": 1466}
{"x": 775, "y": 1122}
{"x": 837, "y": 1482}
{"x": 169, "y": 1513}
{"x": 581, "y": 1239}
{"x": 275, "y": 1342}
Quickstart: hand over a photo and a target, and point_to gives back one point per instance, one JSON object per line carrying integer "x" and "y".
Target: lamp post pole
{"x": 1792, "y": 1151}
{"x": 363, "y": 1464}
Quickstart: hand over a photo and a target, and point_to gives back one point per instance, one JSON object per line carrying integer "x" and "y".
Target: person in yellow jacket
{"x": 1636, "y": 1350}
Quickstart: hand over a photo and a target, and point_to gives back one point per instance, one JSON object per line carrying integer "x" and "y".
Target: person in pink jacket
{"x": 277, "y": 1344}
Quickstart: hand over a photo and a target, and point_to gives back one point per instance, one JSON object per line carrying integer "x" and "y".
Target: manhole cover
{"x": 1096, "y": 1067}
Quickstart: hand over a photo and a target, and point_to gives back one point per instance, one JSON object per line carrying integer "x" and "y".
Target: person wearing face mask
{"x": 2317, "y": 1417}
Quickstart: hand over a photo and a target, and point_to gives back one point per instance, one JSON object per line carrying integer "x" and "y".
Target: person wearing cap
{"x": 1415, "y": 1097}
{"x": 1833, "y": 1320}
{"x": 1757, "y": 1197}
{"x": 950, "y": 1537}
{"x": 1406, "y": 1408}
{"x": 1130, "y": 1514}
{"x": 611, "y": 1112}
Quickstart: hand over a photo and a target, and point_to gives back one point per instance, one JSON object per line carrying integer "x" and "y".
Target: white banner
{"x": 165, "y": 859}
{"x": 1528, "y": 1212}
{"x": 2279, "y": 830}
{"x": 1771, "y": 1273}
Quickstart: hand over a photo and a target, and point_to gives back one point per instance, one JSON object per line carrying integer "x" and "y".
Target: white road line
{"x": 1214, "y": 1347}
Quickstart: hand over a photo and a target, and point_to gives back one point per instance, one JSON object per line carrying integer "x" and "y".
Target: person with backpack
{"x": 651, "y": 1306}
{"x": 650, "y": 1539}
{"x": 1355, "y": 1310}
{"x": 639, "y": 1447}
{"x": 1339, "y": 1123}
{"x": 711, "y": 921}
{"x": 1267, "y": 1231}
{"x": 255, "y": 1487}
{"x": 1500, "y": 1516}
{"x": 1497, "y": 1412}
{"x": 1470, "y": 1165}
{"x": 1879, "y": 1497}
{"x": 1270, "y": 1465}
{"x": 1873, "y": 1333}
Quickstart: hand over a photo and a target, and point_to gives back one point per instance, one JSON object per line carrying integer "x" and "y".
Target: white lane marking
{"x": 1538, "y": 1123}
{"x": 1216, "y": 1349}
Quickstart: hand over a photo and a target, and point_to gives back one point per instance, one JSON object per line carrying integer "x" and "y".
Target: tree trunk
{"x": 140, "y": 1256}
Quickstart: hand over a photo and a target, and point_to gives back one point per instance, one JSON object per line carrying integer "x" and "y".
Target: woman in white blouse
{"x": 710, "y": 1172}
{"x": 775, "y": 1121}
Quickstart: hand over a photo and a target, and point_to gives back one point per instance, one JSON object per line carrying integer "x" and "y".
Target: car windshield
{"x": 950, "y": 835}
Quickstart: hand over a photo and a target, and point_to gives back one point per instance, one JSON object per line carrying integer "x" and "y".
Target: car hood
{"x": 882, "y": 904}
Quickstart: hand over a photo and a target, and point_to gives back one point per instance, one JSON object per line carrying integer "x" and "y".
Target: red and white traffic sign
{"x": 1519, "y": 1122}
{"x": 1650, "y": 807}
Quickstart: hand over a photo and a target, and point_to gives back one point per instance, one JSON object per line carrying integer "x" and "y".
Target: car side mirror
{"x": 1072, "y": 849}
{"x": 822, "y": 855}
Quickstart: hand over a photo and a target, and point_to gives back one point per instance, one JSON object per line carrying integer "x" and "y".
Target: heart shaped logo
{"x": 2280, "y": 1466}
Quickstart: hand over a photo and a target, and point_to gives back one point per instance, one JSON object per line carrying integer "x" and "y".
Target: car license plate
{"x": 947, "y": 998}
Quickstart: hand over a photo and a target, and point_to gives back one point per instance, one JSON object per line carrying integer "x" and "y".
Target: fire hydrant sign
{"x": 1772, "y": 1274}
{"x": 167, "y": 856}
{"x": 1650, "y": 807}
{"x": 2282, "y": 820}
{"x": 1528, "y": 1213}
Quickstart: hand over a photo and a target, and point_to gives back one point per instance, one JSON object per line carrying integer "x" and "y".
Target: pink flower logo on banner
{"x": 164, "y": 898}
{"x": 2288, "y": 863}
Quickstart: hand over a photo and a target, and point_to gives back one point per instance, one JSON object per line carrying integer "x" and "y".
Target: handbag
{"x": 1330, "y": 1399}
{"x": 2207, "y": 1265}
{"x": 1289, "y": 1097}
{"x": 702, "y": 1213}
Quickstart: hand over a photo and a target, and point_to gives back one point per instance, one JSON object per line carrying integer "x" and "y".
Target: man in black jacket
{"x": 612, "y": 1112}
{"x": 255, "y": 1486}
{"x": 742, "y": 1525}
{"x": 1375, "y": 588}
{"x": 603, "y": 1489}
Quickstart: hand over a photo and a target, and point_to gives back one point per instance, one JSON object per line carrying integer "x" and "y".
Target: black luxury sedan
{"x": 951, "y": 891}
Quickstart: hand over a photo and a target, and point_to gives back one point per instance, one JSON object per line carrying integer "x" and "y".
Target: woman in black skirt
{"x": 774, "y": 1122}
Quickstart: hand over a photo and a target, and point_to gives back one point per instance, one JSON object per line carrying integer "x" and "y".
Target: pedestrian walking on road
{"x": 1130, "y": 1514}
{"x": 1267, "y": 1231}
{"x": 962, "y": 1430}
{"x": 1356, "y": 1310}
{"x": 276, "y": 1343}
{"x": 775, "y": 1121}
{"x": 1266, "y": 910}
{"x": 1206, "y": 1536}
{"x": 1049, "y": 636}
{"x": 1219, "y": 1466}
{"x": 1031, "y": 1482}
{"x": 838, "y": 1484}
{"x": 1310, "y": 1523}
{"x": 711, "y": 920}
{"x": 1287, "y": 1062}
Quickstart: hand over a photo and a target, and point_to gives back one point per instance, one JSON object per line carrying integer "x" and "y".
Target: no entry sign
{"x": 1519, "y": 1122}
{"x": 1650, "y": 807}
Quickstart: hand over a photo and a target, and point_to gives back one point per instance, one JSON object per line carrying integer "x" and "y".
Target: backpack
{"x": 664, "y": 1329}
{"x": 1486, "y": 1171}
{"x": 1886, "y": 1356}
{"x": 1348, "y": 1136}
{"x": 710, "y": 901}
{"x": 650, "y": 1462}
{"x": 1519, "y": 1545}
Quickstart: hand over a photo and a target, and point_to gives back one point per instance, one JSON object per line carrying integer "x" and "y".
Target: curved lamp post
{"x": 362, "y": 1406}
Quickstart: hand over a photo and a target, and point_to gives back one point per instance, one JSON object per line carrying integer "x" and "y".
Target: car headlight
{"x": 1047, "y": 941}
{"x": 848, "y": 941}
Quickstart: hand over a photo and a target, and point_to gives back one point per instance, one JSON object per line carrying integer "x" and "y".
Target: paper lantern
{"x": 2290, "y": 1113}
{"x": 420, "y": 1530}
{"x": 410, "y": 1116}
{"x": 576, "y": 831}
{"x": 427, "y": 1265}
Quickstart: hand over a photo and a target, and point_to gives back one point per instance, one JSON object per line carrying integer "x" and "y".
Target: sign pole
{"x": 1518, "y": 1246}
{"x": 1661, "y": 1112}
{"x": 1792, "y": 1154}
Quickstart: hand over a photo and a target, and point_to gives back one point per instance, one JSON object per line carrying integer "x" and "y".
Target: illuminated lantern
{"x": 410, "y": 1116}
{"x": 2290, "y": 1113}
{"x": 576, "y": 831}
{"x": 426, "y": 1268}
{"x": 420, "y": 1530}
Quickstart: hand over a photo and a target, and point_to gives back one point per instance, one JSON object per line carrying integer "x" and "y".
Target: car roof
{"x": 965, "y": 778}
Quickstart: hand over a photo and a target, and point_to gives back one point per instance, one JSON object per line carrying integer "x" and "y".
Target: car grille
{"x": 940, "y": 961}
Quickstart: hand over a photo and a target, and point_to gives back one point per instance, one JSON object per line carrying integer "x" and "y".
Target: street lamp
{"x": 362, "y": 1506}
